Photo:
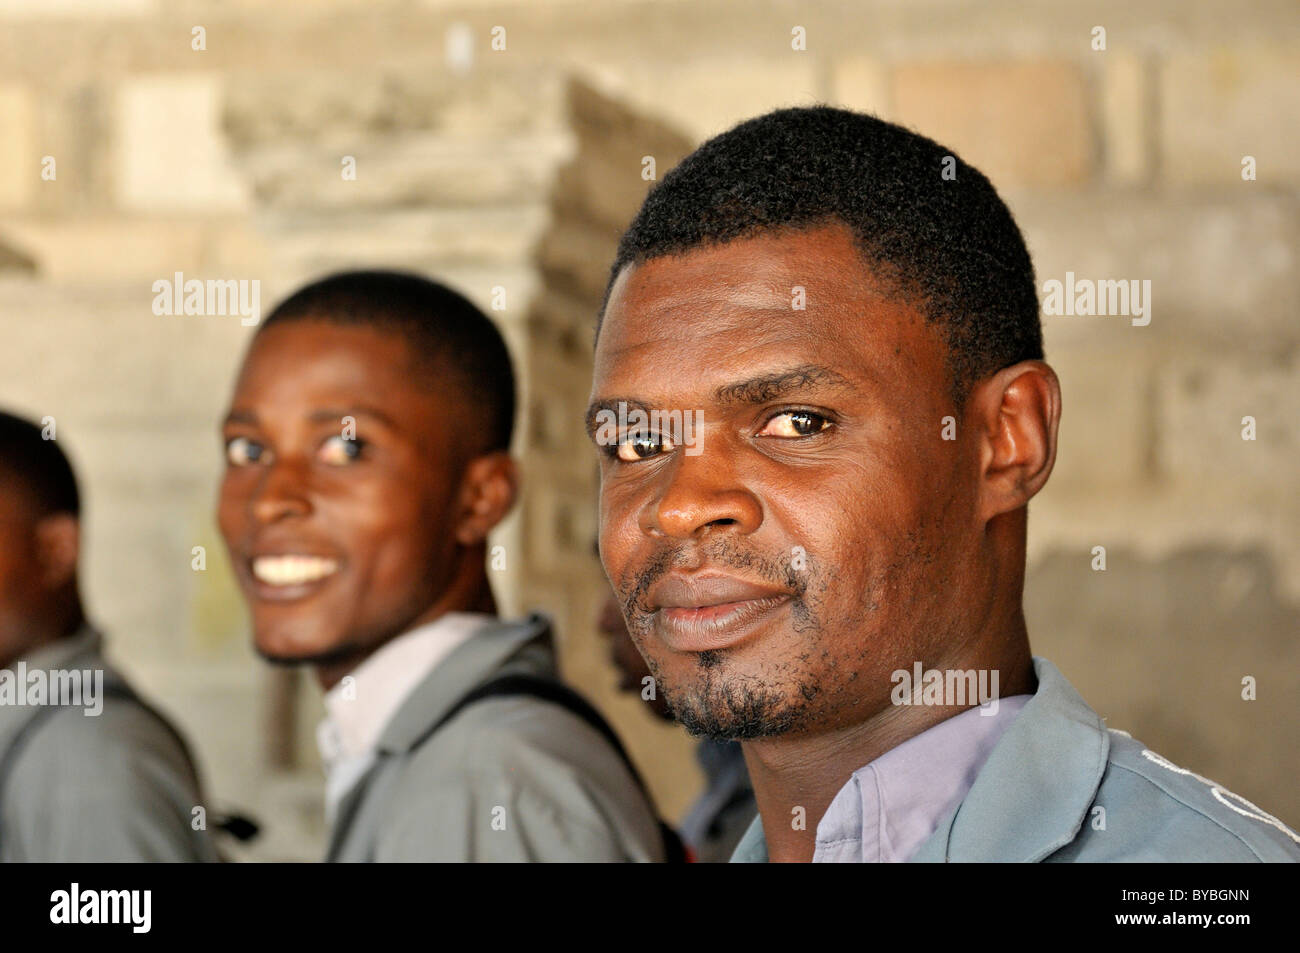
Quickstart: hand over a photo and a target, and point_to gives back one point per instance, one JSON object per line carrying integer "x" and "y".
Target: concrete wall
{"x": 516, "y": 169}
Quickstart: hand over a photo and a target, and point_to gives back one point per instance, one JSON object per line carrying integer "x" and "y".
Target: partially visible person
{"x": 721, "y": 814}
{"x": 88, "y": 771}
{"x": 367, "y": 459}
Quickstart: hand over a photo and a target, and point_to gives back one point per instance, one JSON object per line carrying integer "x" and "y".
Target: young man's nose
{"x": 282, "y": 492}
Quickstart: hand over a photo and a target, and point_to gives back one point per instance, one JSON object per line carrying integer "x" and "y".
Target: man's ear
{"x": 488, "y": 491}
{"x": 58, "y": 547}
{"x": 1017, "y": 412}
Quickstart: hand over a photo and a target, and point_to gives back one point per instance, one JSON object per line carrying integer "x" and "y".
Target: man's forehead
{"x": 299, "y": 368}
{"x": 703, "y": 349}
{"x": 870, "y": 345}
{"x": 661, "y": 290}
{"x": 315, "y": 353}
{"x": 753, "y": 269}
{"x": 815, "y": 278}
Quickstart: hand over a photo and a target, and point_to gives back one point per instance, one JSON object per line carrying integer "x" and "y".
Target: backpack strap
{"x": 557, "y": 693}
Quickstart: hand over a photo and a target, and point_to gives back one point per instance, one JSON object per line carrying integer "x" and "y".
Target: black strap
{"x": 550, "y": 690}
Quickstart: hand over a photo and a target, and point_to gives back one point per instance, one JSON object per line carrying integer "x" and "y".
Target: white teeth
{"x": 292, "y": 570}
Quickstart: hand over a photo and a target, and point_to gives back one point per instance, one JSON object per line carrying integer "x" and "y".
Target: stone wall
{"x": 516, "y": 168}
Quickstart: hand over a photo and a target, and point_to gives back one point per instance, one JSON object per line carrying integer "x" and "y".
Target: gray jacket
{"x": 112, "y": 786}
{"x": 1060, "y": 787}
{"x": 506, "y": 779}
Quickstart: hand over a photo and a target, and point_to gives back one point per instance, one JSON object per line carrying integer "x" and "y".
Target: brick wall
{"x": 517, "y": 168}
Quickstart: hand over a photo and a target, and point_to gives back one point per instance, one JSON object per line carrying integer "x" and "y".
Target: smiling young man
{"x": 367, "y": 449}
{"x": 860, "y": 332}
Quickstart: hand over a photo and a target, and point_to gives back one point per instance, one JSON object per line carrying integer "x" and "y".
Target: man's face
{"x": 340, "y": 533}
{"x": 821, "y": 539}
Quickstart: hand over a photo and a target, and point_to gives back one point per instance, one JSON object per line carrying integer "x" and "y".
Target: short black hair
{"x": 946, "y": 240}
{"x": 446, "y": 332}
{"x": 38, "y": 466}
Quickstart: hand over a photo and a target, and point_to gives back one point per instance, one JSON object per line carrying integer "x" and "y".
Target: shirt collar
{"x": 364, "y": 701}
{"x": 525, "y": 645}
{"x": 889, "y": 807}
{"x": 1032, "y": 794}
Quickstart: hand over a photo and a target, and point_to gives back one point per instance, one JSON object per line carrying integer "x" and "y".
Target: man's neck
{"x": 47, "y": 630}
{"x": 796, "y": 776}
{"x": 474, "y": 595}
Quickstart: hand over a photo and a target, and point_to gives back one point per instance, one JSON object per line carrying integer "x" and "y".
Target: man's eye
{"x": 242, "y": 452}
{"x": 339, "y": 451}
{"x": 794, "y": 423}
{"x": 640, "y": 445}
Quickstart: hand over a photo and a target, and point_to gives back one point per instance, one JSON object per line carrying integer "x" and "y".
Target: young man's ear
{"x": 1016, "y": 412}
{"x": 58, "y": 547}
{"x": 488, "y": 491}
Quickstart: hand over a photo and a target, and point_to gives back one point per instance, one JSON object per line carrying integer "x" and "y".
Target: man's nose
{"x": 282, "y": 492}
{"x": 703, "y": 494}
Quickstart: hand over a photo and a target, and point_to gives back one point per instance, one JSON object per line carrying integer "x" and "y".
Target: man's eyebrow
{"x": 327, "y": 415}
{"x": 611, "y": 404}
{"x": 781, "y": 383}
{"x": 240, "y": 417}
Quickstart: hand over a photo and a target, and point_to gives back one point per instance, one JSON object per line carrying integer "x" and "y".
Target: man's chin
{"x": 730, "y": 712}
{"x": 278, "y": 652}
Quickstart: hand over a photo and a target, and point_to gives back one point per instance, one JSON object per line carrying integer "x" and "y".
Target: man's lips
{"x": 698, "y": 613}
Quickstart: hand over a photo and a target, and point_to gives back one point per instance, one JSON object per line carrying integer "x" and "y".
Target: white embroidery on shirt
{"x": 1221, "y": 795}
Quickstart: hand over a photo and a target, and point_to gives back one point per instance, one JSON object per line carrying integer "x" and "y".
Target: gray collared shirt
{"x": 510, "y": 778}
{"x": 1059, "y": 786}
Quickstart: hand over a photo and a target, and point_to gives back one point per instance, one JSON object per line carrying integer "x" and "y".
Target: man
{"x": 723, "y": 811}
{"x": 367, "y": 450}
{"x": 88, "y": 771}
{"x": 853, "y": 311}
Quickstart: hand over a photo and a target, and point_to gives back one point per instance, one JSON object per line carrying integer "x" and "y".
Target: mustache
{"x": 722, "y": 553}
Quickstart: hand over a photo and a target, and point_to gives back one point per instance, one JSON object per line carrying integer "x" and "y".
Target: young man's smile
{"x": 290, "y": 576}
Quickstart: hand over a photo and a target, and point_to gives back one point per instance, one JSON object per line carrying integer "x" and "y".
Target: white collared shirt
{"x": 360, "y": 706}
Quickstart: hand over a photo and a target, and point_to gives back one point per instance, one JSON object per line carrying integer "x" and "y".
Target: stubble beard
{"x": 723, "y": 704}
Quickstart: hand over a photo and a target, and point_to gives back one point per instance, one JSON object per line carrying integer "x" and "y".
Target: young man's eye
{"x": 642, "y": 445}
{"x": 242, "y": 452}
{"x": 339, "y": 451}
{"x": 795, "y": 423}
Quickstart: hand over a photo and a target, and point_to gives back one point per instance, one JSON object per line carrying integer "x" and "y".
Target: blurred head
{"x": 860, "y": 332}
{"x": 628, "y": 661}
{"x": 367, "y": 457}
{"x": 40, "y": 511}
